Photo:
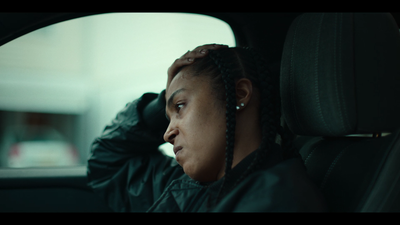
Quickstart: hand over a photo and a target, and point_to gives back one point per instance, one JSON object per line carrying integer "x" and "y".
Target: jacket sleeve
{"x": 125, "y": 166}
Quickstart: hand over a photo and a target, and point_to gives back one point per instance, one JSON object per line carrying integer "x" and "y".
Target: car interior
{"x": 339, "y": 80}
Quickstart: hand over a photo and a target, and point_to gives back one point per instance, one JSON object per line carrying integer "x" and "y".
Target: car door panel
{"x": 47, "y": 190}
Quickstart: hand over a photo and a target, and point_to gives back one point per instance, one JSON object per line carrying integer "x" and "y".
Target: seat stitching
{"x": 319, "y": 109}
{"x": 346, "y": 122}
{"x": 309, "y": 155}
{"x": 328, "y": 173}
{"x": 291, "y": 76}
{"x": 336, "y": 72}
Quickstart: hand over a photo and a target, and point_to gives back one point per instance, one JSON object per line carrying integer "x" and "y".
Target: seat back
{"x": 340, "y": 84}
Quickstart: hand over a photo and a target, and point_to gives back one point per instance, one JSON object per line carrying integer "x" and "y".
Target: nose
{"x": 170, "y": 134}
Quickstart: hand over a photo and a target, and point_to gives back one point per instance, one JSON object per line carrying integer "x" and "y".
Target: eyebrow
{"x": 171, "y": 99}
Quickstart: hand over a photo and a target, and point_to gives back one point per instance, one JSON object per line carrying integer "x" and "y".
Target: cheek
{"x": 206, "y": 156}
{"x": 209, "y": 131}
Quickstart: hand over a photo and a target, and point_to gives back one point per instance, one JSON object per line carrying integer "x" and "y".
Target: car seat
{"x": 340, "y": 88}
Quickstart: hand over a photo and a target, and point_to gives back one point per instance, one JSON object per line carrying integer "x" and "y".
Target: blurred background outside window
{"x": 60, "y": 85}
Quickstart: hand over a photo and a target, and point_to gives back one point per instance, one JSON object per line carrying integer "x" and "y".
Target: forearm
{"x": 127, "y": 150}
{"x": 137, "y": 129}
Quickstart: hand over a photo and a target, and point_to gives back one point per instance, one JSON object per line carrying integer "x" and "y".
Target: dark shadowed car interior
{"x": 339, "y": 85}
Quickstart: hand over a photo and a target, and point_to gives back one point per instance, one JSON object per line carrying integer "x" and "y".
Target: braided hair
{"x": 227, "y": 65}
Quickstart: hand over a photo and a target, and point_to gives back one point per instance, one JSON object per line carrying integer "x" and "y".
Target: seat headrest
{"x": 340, "y": 74}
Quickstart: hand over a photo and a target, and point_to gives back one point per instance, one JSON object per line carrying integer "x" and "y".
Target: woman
{"x": 223, "y": 110}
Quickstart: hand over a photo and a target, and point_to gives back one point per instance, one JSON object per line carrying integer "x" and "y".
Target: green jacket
{"x": 129, "y": 172}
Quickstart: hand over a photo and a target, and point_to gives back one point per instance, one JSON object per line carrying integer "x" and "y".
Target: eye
{"x": 178, "y": 106}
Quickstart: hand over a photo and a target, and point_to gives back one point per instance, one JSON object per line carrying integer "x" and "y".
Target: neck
{"x": 247, "y": 138}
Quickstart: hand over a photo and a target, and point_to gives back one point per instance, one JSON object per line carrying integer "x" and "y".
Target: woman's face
{"x": 197, "y": 126}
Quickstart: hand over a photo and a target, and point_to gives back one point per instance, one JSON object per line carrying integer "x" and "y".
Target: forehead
{"x": 185, "y": 79}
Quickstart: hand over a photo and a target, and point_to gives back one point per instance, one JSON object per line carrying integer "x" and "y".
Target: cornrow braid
{"x": 230, "y": 94}
{"x": 269, "y": 110}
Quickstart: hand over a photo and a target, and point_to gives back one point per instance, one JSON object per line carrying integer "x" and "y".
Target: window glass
{"x": 60, "y": 85}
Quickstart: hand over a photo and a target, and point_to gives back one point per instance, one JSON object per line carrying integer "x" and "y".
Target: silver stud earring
{"x": 238, "y": 107}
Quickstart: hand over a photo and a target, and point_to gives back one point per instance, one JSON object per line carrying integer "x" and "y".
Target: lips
{"x": 177, "y": 149}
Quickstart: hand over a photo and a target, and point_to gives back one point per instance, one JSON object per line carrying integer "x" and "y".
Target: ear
{"x": 244, "y": 91}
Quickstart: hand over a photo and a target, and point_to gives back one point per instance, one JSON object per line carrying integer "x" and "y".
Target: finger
{"x": 185, "y": 60}
{"x": 200, "y": 52}
{"x": 190, "y": 56}
{"x": 210, "y": 46}
{"x": 194, "y": 54}
{"x": 178, "y": 63}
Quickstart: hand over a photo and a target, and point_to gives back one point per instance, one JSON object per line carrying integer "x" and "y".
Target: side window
{"x": 60, "y": 85}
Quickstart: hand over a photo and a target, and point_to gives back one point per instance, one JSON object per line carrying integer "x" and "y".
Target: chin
{"x": 202, "y": 179}
{"x": 201, "y": 176}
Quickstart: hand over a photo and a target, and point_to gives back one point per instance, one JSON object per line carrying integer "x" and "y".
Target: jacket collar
{"x": 274, "y": 157}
